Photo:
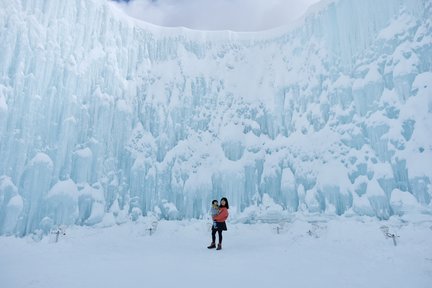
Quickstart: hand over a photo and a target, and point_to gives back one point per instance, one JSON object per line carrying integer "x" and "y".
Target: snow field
{"x": 307, "y": 252}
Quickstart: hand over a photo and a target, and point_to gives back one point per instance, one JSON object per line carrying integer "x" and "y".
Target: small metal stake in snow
{"x": 387, "y": 234}
{"x": 152, "y": 227}
{"x": 57, "y": 232}
{"x": 281, "y": 226}
{"x": 393, "y": 236}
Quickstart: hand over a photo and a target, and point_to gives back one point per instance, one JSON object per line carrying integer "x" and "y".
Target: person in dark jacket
{"x": 220, "y": 224}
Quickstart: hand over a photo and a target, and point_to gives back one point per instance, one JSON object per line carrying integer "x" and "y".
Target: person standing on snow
{"x": 220, "y": 224}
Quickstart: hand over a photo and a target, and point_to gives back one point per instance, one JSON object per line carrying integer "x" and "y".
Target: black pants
{"x": 214, "y": 235}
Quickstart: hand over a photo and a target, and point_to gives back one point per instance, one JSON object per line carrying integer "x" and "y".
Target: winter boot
{"x": 219, "y": 247}
{"x": 212, "y": 245}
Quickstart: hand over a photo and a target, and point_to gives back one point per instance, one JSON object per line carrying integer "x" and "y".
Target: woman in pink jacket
{"x": 220, "y": 224}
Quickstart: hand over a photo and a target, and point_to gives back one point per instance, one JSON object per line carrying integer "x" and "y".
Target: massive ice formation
{"x": 102, "y": 115}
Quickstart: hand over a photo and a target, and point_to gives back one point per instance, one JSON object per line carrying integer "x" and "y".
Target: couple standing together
{"x": 219, "y": 214}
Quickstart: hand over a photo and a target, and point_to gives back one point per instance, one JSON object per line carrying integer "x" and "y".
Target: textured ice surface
{"x": 102, "y": 116}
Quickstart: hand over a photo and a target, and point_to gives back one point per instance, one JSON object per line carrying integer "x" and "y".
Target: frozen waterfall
{"x": 102, "y": 115}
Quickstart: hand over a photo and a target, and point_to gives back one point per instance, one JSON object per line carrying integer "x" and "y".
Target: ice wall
{"x": 102, "y": 115}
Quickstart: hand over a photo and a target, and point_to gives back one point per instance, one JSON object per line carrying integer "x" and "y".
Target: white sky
{"x": 237, "y": 15}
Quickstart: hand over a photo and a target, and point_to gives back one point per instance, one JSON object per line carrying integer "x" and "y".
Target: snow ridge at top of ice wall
{"x": 103, "y": 116}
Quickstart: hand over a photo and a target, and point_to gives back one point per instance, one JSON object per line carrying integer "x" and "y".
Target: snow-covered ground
{"x": 307, "y": 252}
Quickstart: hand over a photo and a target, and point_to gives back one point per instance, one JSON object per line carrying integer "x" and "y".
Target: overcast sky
{"x": 237, "y": 15}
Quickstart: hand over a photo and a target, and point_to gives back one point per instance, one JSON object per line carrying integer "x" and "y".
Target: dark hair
{"x": 214, "y": 201}
{"x": 226, "y": 201}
